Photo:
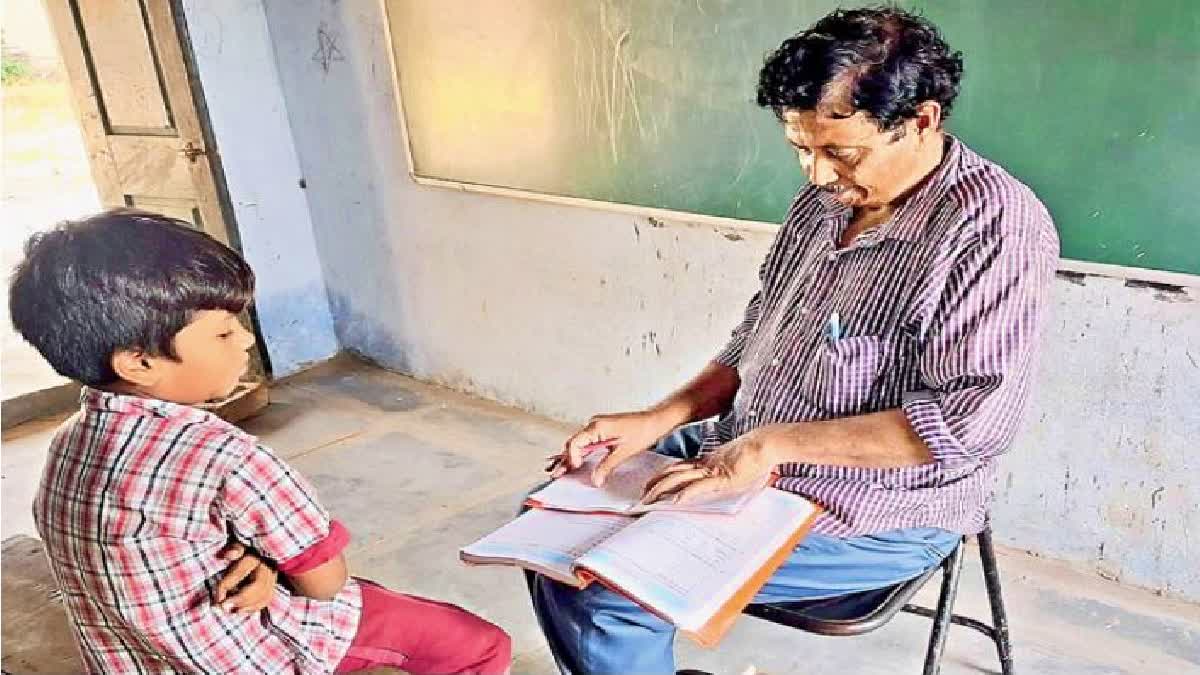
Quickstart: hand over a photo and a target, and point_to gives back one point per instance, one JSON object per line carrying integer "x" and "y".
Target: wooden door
{"x": 137, "y": 106}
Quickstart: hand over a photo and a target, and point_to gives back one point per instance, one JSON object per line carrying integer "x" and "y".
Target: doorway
{"x": 102, "y": 110}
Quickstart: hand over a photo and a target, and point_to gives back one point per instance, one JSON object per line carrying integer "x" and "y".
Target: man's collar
{"x": 911, "y": 218}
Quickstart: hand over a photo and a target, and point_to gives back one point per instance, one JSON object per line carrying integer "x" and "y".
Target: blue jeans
{"x": 598, "y": 631}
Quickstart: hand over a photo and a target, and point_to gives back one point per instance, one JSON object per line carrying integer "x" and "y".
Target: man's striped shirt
{"x": 936, "y": 312}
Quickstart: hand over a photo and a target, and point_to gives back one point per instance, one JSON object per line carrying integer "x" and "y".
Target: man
{"x": 884, "y": 362}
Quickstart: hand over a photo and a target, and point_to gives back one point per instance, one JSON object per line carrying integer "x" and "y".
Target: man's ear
{"x": 136, "y": 368}
{"x": 929, "y": 117}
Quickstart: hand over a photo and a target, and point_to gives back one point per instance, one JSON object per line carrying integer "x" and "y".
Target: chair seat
{"x": 852, "y": 614}
{"x": 863, "y": 612}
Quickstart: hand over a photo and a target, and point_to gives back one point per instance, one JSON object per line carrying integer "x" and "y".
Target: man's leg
{"x": 423, "y": 636}
{"x": 824, "y": 566}
{"x": 598, "y": 631}
{"x": 595, "y": 630}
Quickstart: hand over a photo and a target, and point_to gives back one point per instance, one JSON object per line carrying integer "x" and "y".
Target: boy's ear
{"x": 136, "y": 367}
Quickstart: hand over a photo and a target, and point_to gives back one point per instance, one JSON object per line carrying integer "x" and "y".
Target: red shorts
{"x": 404, "y": 631}
{"x": 423, "y": 636}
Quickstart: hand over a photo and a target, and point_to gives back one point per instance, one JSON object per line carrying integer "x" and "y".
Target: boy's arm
{"x": 270, "y": 507}
{"x": 320, "y": 571}
{"x": 322, "y": 582}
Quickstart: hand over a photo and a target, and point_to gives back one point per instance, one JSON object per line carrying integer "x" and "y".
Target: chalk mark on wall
{"x": 327, "y": 49}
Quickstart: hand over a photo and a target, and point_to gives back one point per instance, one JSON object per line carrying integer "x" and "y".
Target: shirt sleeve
{"x": 273, "y": 509}
{"x": 977, "y": 359}
{"x": 319, "y": 553}
{"x": 731, "y": 354}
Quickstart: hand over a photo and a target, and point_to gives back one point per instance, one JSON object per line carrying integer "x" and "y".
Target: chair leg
{"x": 951, "y": 570}
{"x": 991, "y": 577}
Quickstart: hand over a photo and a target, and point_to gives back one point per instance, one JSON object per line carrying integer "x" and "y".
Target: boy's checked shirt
{"x": 137, "y": 500}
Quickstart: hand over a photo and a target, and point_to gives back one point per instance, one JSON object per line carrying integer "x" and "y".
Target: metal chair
{"x": 866, "y": 611}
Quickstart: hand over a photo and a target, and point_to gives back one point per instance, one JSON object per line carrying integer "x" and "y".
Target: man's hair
{"x": 119, "y": 280}
{"x": 888, "y": 61}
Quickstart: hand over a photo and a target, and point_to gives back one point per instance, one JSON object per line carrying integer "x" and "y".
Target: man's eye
{"x": 852, "y": 157}
{"x": 803, "y": 152}
{"x": 226, "y": 336}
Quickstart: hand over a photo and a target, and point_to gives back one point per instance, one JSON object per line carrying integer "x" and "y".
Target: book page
{"x": 624, "y": 488}
{"x": 686, "y": 566}
{"x": 544, "y": 541}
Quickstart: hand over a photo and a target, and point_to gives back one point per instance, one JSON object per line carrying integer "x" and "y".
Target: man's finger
{"x": 672, "y": 483}
{"x": 573, "y": 448}
{"x": 611, "y": 461}
{"x": 702, "y": 487}
{"x": 668, "y": 471}
{"x": 686, "y": 465}
{"x": 234, "y": 575}
{"x": 571, "y": 457}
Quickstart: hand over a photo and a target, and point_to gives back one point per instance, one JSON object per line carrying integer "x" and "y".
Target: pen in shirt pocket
{"x": 834, "y": 330}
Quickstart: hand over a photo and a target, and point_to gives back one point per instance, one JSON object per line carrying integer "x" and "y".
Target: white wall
{"x": 246, "y": 107}
{"x": 569, "y": 311}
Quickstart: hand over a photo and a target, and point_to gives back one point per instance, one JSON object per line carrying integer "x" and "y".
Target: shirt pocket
{"x": 845, "y": 373}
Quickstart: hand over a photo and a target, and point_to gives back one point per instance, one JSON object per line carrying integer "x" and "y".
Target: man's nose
{"x": 821, "y": 173}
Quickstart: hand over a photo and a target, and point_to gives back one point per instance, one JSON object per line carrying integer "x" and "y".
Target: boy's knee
{"x": 493, "y": 649}
{"x": 501, "y": 646}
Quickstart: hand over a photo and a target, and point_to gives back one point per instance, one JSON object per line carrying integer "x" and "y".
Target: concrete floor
{"x": 416, "y": 472}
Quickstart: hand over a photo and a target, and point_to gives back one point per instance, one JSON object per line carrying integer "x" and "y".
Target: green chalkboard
{"x": 1093, "y": 103}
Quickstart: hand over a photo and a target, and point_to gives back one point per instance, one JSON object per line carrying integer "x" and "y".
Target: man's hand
{"x": 624, "y": 434}
{"x": 248, "y": 584}
{"x": 738, "y": 465}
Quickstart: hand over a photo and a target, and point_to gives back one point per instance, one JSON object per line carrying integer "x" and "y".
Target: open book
{"x": 624, "y": 487}
{"x": 696, "y": 570}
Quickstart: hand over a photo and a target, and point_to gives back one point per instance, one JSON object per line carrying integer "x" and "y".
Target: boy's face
{"x": 212, "y": 352}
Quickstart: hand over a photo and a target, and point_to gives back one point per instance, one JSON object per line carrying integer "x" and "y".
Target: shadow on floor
{"x": 36, "y": 634}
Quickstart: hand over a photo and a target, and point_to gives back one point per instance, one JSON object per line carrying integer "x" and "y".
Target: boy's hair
{"x": 120, "y": 280}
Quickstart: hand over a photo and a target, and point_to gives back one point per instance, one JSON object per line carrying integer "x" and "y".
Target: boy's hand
{"x": 247, "y": 585}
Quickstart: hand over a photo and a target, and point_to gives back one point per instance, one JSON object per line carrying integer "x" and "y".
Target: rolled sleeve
{"x": 272, "y": 508}
{"x": 319, "y": 553}
{"x": 977, "y": 361}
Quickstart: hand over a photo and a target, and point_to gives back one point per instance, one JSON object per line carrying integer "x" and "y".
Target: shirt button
{"x": 832, "y": 256}
{"x": 774, "y": 363}
{"x": 753, "y": 413}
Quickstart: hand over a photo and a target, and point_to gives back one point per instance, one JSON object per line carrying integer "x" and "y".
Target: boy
{"x": 142, "y": 493}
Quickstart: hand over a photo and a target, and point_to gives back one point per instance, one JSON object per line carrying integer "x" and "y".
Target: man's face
{"x": 212, "y": 352}
{"x": 844, "y": 152}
